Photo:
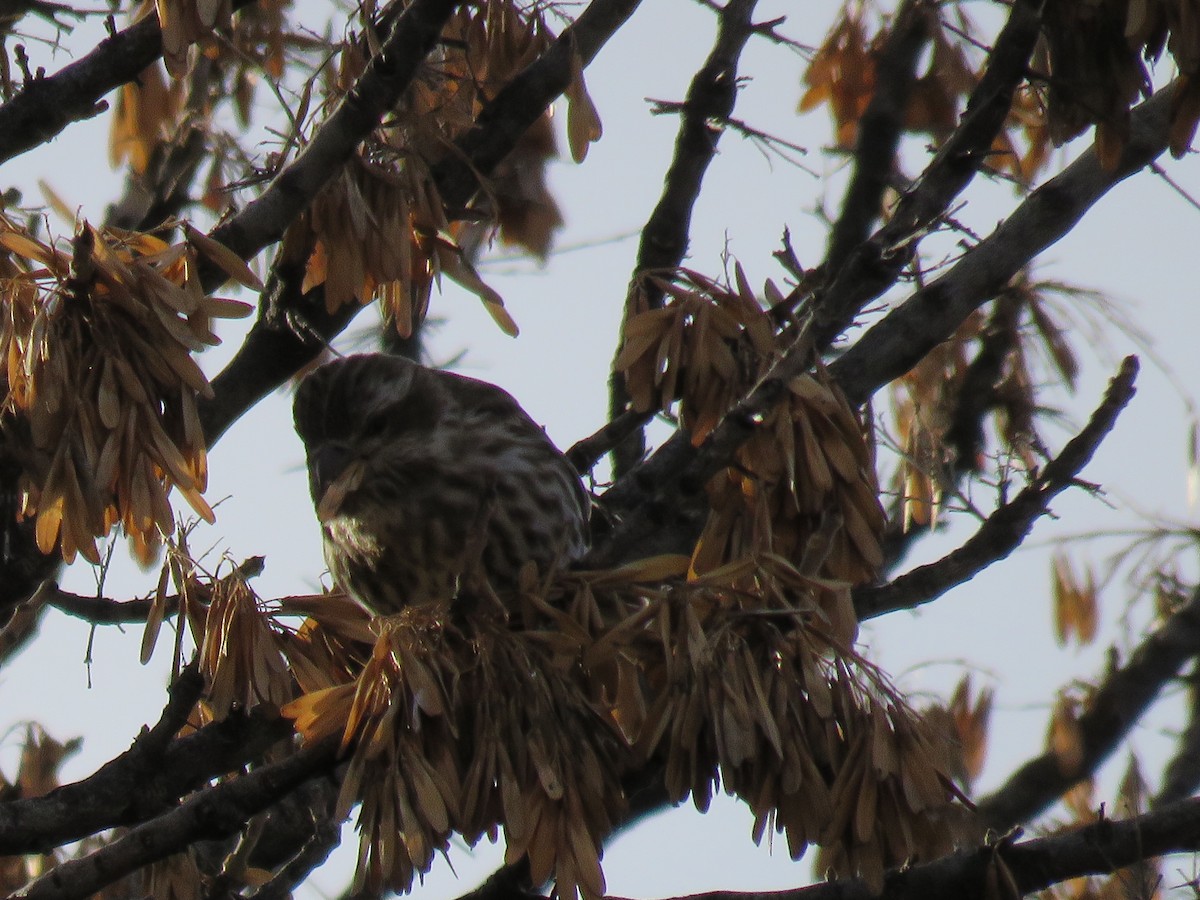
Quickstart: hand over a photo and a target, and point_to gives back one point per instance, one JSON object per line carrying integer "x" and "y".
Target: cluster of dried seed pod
{"x": 381, "y": 230}
{"x": 473, "y": 722}
{"x": 804, "y": 485}
{"x": 466, "y": 725}
{"x": 97, "y": 347}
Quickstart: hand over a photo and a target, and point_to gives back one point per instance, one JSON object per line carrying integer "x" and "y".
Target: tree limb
{"x": 1182, "y": 774}
{"x": 895, "y": 344}
{"x": 1010, "y": 524}
{"x": 145, "y": 780}
{"x": 879, "y": 131}
{"x": 710, "y": 101}
{"x": 876, "y": 264}
{"x": 216, "y": 812}
{"x": 1034, "y": 864}
{"x": 263, "y": 220}
{"x": 1111, "y": 711}
{"x": 502, "y": 121}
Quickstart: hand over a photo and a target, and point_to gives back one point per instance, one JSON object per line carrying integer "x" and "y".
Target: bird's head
{"x": 352, "y": 414}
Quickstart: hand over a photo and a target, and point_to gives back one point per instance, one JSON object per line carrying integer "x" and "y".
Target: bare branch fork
{"x": 1008, "y": 526}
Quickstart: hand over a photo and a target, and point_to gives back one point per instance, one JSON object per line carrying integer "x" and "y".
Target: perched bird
{"x": 427, "y": 483}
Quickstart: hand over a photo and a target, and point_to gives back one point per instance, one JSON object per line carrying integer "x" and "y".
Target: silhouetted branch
{"x": 218, "y": 811}
{"x": 1181, "y": 776}
{"x": 145, "y": 780}
{"x": 879, "y": 130}
{"x": 585, "y": 453}
{"x": 1111, "y": 711}
{"x": 263, "y": 220}
{"x": 521, "y": 102}
{"x": 46, "y": 106}
{"x": 1010, "y": 524}
{"x": 876, "y": 263}
{"x": 710, "y": 101}
{"x": 1013, "y": 869}
{"x": 895, "y": 344}
{"x": 104, "y": 611}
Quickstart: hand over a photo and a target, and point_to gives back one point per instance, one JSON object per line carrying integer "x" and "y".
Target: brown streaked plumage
{"x": 426, "y": 481}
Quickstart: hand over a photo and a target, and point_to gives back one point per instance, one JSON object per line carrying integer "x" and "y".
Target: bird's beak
{"x": 333, "y": 472}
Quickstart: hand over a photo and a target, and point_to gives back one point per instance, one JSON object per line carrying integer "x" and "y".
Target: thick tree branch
{"x": 710, "y": 101}
{"x": 1008, "y": 526}
{"x": 1181, "y": 776}
{"x": 1112, "y": 710}
{"x": 894, "y": 345}
{"x": 879, "y": 130}
{"x": 213, "y": 813}
{"x": 1033, "y": 865}
{"x": 145, "y": 780}
{"x": 876, "y": 264}
{"x": 45, "y": 106}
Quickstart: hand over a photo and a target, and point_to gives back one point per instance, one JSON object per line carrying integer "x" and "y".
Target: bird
{"x": 429, "y": 484}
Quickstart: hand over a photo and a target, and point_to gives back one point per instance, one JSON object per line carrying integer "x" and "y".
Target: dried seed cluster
{"x": 1094, "y": 52}
{"x": 478, "y": 721}
{"x": 844, "y": 71}
{"x": 940, "y": 429}
{"x": 804, "y": 485}
{"x": 381, "y": 230}
{"x": 97, "y": 346}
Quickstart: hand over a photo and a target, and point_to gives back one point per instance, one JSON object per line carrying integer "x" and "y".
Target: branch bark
{"x": 145, "y": 780}
{"x": 876, "y": 264}
{"x": 895, "y": 344}
{"x": 1032, "y": 865}
{"x": 213, "y": 813}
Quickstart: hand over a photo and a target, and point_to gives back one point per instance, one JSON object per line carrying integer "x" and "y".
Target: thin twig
{"x": 1006, "y": 528}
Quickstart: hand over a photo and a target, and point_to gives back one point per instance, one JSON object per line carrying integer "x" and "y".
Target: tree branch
{"x": 213, "y": 813}
{"x": 1034, "y": 864}
{"x": 502, "y": 122}
{"x": 876, "y": 264}
{"x": 879, "y": 131}
{"x": 1182, "y": 774}
{"x": 145, "y": 780}
{"x": 1111, "y": 711}
{"x": 388, "y": 75}
{"x": 710, "y": 101}
{"x": 1008, "y": 526}
{"x": 894, "y": 345}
